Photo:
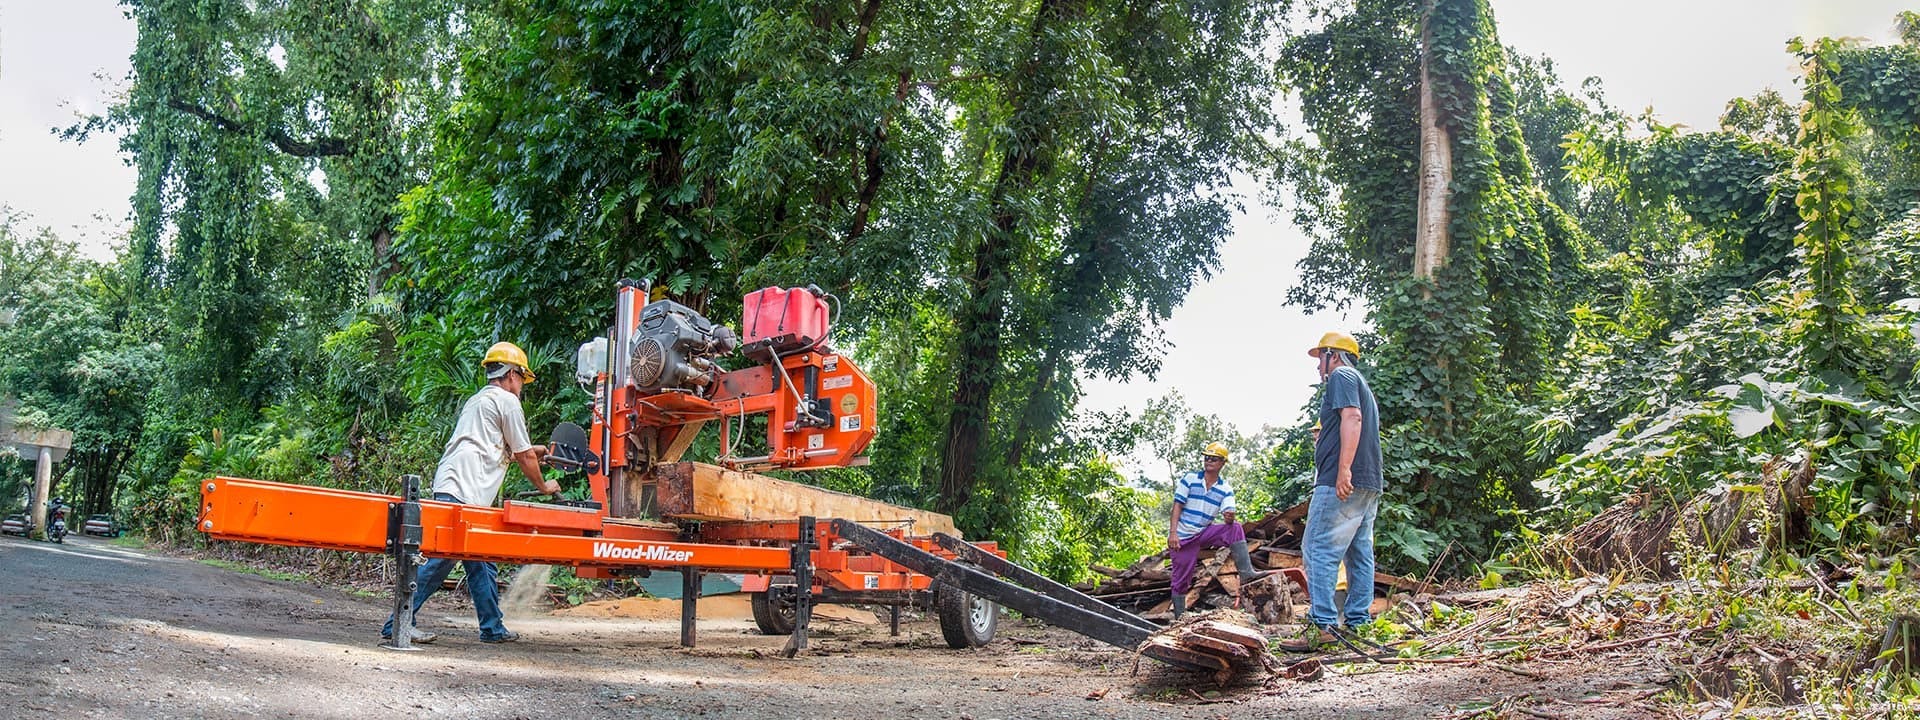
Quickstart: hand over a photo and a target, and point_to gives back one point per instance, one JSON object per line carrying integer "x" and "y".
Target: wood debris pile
{"x": 1223, "y": 643}
{"x": 1273, "y": 542}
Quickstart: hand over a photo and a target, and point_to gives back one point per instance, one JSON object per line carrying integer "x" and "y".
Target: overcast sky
{"x": 1233, "y": 349}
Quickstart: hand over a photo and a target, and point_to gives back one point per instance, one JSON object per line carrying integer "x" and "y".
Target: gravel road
{"x": 95, "y": 629}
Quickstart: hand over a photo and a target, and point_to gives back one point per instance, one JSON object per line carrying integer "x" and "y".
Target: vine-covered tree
{"x": 1438, "y": 220}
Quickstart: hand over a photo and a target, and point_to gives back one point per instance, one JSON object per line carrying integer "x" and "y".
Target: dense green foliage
{"x": 1456, "y": 359}
{"x": 342, "y": 203}
{"x": 1623, "y": 308}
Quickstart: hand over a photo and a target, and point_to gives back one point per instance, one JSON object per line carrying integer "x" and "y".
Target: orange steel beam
{"x": 304, "y": 516}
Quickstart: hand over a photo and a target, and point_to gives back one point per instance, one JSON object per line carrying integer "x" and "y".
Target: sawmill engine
{"x": 673, "y": 349}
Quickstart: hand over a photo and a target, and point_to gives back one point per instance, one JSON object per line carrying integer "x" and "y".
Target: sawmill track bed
{"x": 96, "y": 629}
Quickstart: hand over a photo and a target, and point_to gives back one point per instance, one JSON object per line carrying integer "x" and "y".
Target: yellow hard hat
{"x": 1215, "y": 449}
{"x": 1337, "y": 341}
{"x": 509, "y": 354}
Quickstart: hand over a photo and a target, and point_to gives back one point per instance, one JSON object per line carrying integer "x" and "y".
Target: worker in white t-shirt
{"x": 490, "y": 434}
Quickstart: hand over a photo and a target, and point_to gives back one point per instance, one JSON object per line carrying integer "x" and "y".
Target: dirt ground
{"x": 93, "y": 629}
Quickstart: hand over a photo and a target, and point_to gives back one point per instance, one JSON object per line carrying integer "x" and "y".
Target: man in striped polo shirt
{"x": 1199, "y": 498}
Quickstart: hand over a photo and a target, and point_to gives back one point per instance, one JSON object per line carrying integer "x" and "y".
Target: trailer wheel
{"x": 966, "y": 620}
{"x": 773, "y": 610}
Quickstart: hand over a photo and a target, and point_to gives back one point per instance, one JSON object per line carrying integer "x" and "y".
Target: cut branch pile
{"x": 1642, "y": 533}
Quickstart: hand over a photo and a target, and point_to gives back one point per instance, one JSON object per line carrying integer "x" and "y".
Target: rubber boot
{"x": 1241, "y": 559}
{"x": 1179, "y": 605}
{"x": 1248, "y": 576}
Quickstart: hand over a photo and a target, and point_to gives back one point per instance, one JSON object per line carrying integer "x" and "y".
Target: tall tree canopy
{"x": 342, "y": 203}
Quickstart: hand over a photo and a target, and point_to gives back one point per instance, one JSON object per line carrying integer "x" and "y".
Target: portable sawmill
{"x": 658, "y": 379}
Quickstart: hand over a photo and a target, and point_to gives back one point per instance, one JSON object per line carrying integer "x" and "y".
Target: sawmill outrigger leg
{"x": 1114, "y": 631}
{"x": 803, "y": 585}
{"x": 1038, "y": 583}
{"x": 403, "y": 545}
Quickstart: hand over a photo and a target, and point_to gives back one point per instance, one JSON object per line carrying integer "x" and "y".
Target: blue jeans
{"x": 1337, "y": 530}
{"x": 480, "y": 585}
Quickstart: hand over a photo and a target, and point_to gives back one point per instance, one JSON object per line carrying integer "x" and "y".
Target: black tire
{"x": 966, "y": 620}
{"x": 773, "y": 610}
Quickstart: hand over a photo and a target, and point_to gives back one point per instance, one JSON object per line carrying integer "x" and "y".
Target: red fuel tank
{"x": 786, "y": 320}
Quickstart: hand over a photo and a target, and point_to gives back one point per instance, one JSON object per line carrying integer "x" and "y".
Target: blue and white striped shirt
{"x": 1200, "y": 504}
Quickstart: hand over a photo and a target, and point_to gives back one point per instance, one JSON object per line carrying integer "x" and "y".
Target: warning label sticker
{"x": 849, "y": 423}
{"x": 835, "y": 383}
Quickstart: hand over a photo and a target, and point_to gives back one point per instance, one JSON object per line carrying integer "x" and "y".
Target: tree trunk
{"x": 1430, "y": 240}
{"x": 1085, "y": 276}
{"x": 1430, "y": 243}
{"x": 873, "y": 169}
{"x": 383, "y": 261}
{"x": 978, "y": 363}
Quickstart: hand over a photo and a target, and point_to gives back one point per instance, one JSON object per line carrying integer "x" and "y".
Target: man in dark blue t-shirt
{"x": 1346, "y": 492}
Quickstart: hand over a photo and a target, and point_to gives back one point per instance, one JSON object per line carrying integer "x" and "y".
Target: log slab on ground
{"x": 698, "y": 491}
{"x": 1223, "y": 642}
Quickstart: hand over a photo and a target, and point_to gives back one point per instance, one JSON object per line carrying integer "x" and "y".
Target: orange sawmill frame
{"x": 274, "y": 513}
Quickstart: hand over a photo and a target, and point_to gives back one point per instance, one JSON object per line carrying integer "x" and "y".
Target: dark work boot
{"x": 1179, "y": 605}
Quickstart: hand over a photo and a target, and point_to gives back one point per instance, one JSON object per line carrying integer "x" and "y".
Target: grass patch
{"x": 129, "y": 540}
{"x": 250, "y": 570}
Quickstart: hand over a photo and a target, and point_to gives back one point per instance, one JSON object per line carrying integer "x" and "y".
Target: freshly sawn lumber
{"x": 698, "y": 491}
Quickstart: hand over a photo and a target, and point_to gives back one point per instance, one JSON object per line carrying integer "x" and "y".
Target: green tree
{"x": 1403, "y": 95}
{"x": 73, "y": 355}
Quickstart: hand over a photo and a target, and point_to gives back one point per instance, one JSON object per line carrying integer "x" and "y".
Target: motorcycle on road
{"x": 57, "y": 521}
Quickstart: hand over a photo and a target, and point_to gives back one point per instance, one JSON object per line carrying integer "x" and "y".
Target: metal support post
{"x": 802, "y": 586}
{"x": 403, "y": 545}
{"x": 689, "y": 603}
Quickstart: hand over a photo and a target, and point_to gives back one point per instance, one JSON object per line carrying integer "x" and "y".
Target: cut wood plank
{"x": 1165, "y": 648}
{"x": 1202, "y": 643}
{"x": 698, "y": 491}
{"x": 1399, "y": 583}
{"x": 1278, "y": 559}
{"x": 1227, "y": 632}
